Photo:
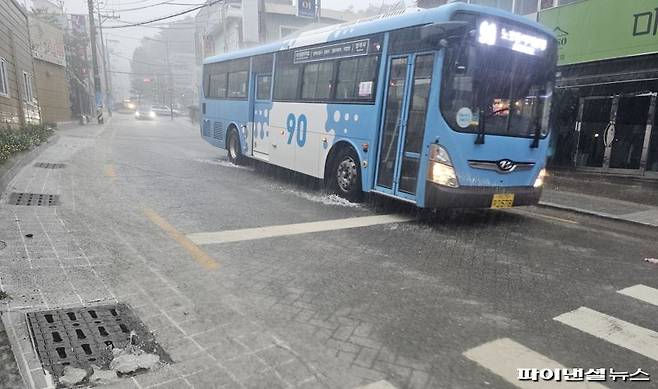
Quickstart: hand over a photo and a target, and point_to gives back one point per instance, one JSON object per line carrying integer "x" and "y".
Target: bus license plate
{"x": 502, "y": 200}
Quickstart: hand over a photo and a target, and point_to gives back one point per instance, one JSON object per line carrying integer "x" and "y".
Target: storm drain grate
{"x": 49, "y": 165}
{"x": 81, "y": 337}
{"x": 33, "y": 199}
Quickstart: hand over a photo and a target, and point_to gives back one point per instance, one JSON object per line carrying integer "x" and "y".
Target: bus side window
{"x": 217, "y": 85}
{"x": 286, "y": 82}
{"x": 237, "y": 84}
{"x": 357, "y": 78}
{"x": 317, "y": 80}
{"x": 263, "y": 86}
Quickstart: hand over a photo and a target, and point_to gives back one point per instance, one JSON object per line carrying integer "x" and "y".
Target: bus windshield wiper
{"x": 479, "y": 139}
{"x": 535, "y": 137}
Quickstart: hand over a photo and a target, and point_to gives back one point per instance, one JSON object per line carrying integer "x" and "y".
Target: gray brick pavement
{"x": 10, "y": 377}
{"x": 83, "y": 254}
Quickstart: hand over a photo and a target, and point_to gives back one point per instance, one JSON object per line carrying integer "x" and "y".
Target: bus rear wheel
{"x": 345, "y": 175}
{"x": 234, "y": 150}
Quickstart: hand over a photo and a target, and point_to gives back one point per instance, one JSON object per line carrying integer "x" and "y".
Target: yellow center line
{"x": 109, "y": 171}
{"x": 200, "y": 256}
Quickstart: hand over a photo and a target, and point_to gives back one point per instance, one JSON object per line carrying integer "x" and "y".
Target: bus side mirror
{"x": 203, "y": 108}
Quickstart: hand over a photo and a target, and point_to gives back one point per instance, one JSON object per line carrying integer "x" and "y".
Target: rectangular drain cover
{"x": 49, "y": 165}
{"x": 81, "y": 337}
{"x": 33, "y": 199}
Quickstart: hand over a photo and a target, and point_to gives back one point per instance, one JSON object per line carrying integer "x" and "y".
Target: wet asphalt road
{"x": 397, "y": 301}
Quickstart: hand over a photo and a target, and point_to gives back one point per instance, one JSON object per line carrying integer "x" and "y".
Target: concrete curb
{"x": 13, "y": 165}
{"x": 602, "y": 215}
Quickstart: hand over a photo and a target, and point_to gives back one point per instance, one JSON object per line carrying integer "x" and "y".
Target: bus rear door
{"x": 261, "y": 105}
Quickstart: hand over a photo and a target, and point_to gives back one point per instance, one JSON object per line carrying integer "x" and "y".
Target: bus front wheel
{"x": 234, "y": 150}
{"x": 345, "y": 175}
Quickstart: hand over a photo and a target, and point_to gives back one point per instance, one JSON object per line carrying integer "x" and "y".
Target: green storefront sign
{"x": 593, "y": 30}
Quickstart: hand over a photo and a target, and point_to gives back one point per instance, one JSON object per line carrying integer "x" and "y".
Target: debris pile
{"x": 125, "y": 362}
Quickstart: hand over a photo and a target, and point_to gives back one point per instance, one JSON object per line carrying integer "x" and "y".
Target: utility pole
{"x": 106, "y": 60}
{"x": 94, "y": 62}
{"x": 107, "y": 85}
{"x": 170, "y": 85}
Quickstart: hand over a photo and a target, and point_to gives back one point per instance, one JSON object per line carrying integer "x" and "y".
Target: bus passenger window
{"x": 237, "y": 84}
{"x": 217, "y": 85}
{"x": 356, "y": 78}
{"x": 286, "y": 82}
{"x": 263, "y": 87}
{"x": 317, "y": 81}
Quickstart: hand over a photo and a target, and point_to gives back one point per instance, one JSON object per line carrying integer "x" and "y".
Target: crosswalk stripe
{"x": 504, "y": 357}
{"x": 292, "y": 229}
{"x": 641, "y": 292}
{"x": 616, "y": 331}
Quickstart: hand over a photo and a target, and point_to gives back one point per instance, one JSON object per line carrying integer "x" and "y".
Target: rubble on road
{"x": 72, "y": 376}
{"x": 125, "y": 361}
{"x": 128, "y": 361}
{"x": 102, "y": 376}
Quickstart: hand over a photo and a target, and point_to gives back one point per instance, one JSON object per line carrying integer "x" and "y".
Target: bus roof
{"x": 392, "y": 20}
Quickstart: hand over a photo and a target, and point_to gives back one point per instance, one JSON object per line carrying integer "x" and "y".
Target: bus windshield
{"x": 495, "y": 90}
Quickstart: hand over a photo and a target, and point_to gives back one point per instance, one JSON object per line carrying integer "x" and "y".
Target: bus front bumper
{"x": 437, "y": 196}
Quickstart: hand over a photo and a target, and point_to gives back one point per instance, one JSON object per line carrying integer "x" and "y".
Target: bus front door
{"x": 403, "y": 125}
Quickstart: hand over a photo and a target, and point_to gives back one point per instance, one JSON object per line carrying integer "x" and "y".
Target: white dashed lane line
{"x": 202, "y": 238}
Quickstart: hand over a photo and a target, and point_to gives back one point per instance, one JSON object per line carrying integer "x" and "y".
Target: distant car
{"x": 161, "y": 110}
{"x": 145, "y": 113}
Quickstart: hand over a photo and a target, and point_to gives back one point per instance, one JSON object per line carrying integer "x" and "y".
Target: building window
{"x": 525, "y": 7}
{"x": 285, "y": 31}
{"x": 356, "y": 78}
{"x": 4, "y": 83}
{"x": 317, "y": 81}
{"x": 263, "y": 87}
{"x": 27, "y": 83}
{"x": 501, "y": 4}
{"x": 237, "y": 85}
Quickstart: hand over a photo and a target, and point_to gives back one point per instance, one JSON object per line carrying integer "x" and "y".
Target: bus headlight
{"x": 440, "y": 169}
{"x": 540, "y": 179}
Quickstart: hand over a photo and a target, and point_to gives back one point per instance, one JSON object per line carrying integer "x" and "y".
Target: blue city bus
{"x": 442, "y": 107}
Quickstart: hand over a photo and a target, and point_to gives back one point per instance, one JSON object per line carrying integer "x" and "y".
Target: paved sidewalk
{"x": 97, "y": 247}
{"x": 10, "y": 377}
{"x": 601, "y": 206}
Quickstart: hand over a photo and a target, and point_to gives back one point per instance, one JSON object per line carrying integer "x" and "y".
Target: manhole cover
{"x": 49, "y": 165}
{"x": 33, "y": 199}
{"x": 81, "y": 337}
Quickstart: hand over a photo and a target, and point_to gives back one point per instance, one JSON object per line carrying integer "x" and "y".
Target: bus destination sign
{"x": 339, "y": 50}
{"x": 493, "y": 34}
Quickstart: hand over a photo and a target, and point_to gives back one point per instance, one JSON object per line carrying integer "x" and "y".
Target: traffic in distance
{"x": 442, "y": 107}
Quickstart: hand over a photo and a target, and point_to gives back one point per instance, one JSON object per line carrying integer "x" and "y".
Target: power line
{"x": 191, "y": 41}
{"x": 152, "y": 74}
{"x": 166, "y": 17}
{"x": 137, "y": 61}
{"x": 168, "y": 2}
{"x": 134, "y": 2}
